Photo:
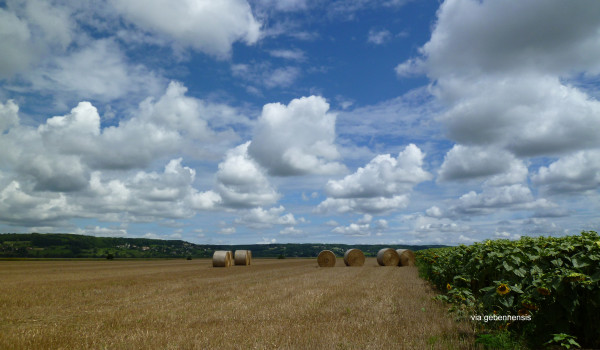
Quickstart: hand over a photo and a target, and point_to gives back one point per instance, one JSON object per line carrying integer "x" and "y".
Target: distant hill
{"x": 64, "y": 245}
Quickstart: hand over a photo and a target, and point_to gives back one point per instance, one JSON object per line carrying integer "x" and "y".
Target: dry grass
{"x": 180, "y": 304}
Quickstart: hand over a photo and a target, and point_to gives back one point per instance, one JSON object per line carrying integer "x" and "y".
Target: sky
{"x": 306, "y": 121}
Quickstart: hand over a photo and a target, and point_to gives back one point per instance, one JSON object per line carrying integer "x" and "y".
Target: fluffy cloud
{"x": 490, "y": 200}
{"x": 382, "y": 185}
{"x": 15, "y": 49}
{"x": 9, "y": 115}
{"x": 208, "y": 26}
{"x": 471, "y": 162}
{"x": 261, "y": 218}
{"x": 501, "y": 71}
{"x": 511, "y": 84}
{"x": 19, "y": 206}
{"x": 578, "y": 172}
{"x": 99, "y": 70}
{"x": 72, "y": 167}
{"x": 296, "y": 139}
{"x": 353, "y": 230}
{"x": 145, "y": 196}
{"x": 473, "y": 37}
{"x": 241, "y": 182}
{"x": 383, "y": 176}
{"x": 65, "y": 148}
{"x": 30, "y": 30}
{"x": 362, "y": 227}
{"x": 530, "y": 115}
{"x": 375, "y": 205}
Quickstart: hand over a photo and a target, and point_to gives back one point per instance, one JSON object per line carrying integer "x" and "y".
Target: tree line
{"x": 65, "y": 245}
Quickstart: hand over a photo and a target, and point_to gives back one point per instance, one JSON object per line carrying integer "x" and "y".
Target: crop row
{"x": 549, "y": 286}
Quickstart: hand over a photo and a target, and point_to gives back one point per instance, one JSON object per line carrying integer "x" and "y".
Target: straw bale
{"x": 407, "y": 257}
{"x": 388, "y": 257}
{"x": 326, "y": 258}
{"x": 242, "y": 257}
{"x": 354, "y": 257}
{"x": 230, "y": 257}
{"x": 221, "y": 258}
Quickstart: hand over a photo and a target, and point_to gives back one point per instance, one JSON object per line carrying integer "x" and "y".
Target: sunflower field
{"x": 544, "y": 289}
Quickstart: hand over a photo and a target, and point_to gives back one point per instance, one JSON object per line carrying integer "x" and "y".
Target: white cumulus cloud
{"x": 500, "y": 167}
{"x": 261, "y": 218}
{"x": 204, "y": 25}
{"x": 382, "y": 185}
{"x": 296, "y": 139}
{"x": 578, "y": 172}
{"x": 241, "y": 181}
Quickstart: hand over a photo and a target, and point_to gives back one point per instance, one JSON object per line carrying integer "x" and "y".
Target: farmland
{"x": 188, "y": 304}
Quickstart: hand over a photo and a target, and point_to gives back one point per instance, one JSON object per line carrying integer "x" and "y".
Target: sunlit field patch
{"x": 188, "y": 304}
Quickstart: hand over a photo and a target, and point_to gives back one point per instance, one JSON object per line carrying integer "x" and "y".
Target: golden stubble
{"x": 181, "y": 304}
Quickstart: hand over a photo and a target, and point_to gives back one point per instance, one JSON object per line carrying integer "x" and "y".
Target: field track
{"x": 179, "y": 304}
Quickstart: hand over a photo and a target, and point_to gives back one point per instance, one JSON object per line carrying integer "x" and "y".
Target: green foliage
{"x": 553, "y": 282}
{"x": 564, "y": 340}
{"x": 281, "y": 256}
{"x": 500, "y": 340}
{"x": 61, "y": 245}
{"x": 109, "y": 256}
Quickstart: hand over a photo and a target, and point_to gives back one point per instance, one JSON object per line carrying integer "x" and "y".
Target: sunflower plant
{"x": 555, "y": 281}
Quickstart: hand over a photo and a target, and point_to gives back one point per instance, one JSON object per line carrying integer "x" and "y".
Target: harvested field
{"x": 180, "y": 304}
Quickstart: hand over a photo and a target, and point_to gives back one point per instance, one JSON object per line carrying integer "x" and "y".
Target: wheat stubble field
{"x": 179, "y": 304}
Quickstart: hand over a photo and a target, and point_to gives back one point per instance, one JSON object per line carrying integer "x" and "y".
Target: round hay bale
{"x": 326, "y": 258}
{"x": 230, "y": 257}
{"x": 388, "y": 257}
{"x": 242, "y": 257}
{"x": 407, "y": 257}
{"x": 354, "y": 257}
{"x": 221, "y": 258}
{"x": 249, "y": 256}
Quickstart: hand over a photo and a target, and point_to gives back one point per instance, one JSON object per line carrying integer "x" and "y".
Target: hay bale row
{"x": 225, "y": 258}
{"x": 243, "y": 257}
{"x": 326, "y": 258}
{"x": 354, "y": 257}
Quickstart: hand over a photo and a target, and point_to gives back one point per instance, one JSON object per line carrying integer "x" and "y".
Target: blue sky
{"x": 260, "y": 121}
